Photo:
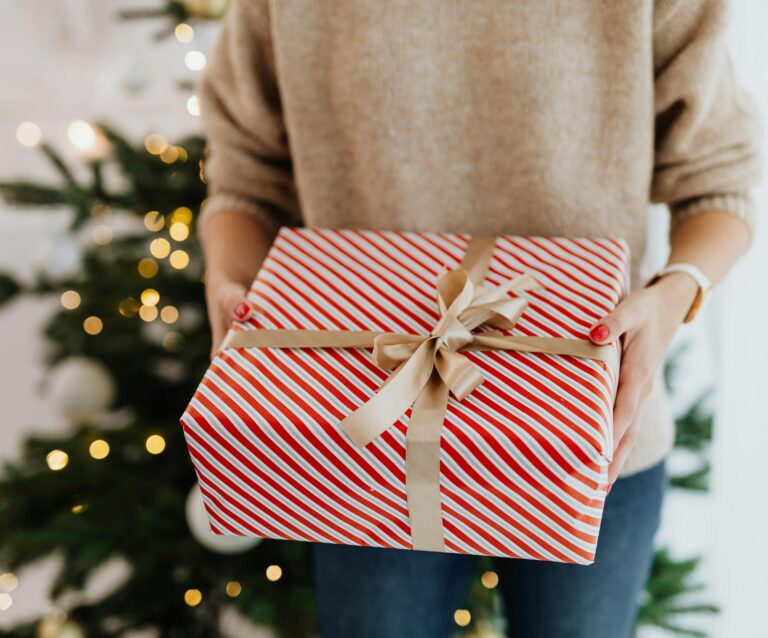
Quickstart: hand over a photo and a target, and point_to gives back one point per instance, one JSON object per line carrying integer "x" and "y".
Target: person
{"x": 530, "y": 118}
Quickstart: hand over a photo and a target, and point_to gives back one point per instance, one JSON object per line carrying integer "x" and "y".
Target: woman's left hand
{"x": 646, "y": 320}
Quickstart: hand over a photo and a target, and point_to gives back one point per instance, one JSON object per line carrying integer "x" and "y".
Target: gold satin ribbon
{"x": 426, "y": 368}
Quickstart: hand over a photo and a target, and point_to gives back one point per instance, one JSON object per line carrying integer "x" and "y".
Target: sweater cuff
{"x": 234, "y": 203}
{"x": 740, "y": 206}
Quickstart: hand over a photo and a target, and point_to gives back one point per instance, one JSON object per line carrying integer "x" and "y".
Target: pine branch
{"x": 9, "y": 288}
{"x": 24, "y": 193}
{"x": 694, "y": 428}
{"x": 669, "y": 587}
{"x": 697, "y": 481}
{"x": 59, "y": 164}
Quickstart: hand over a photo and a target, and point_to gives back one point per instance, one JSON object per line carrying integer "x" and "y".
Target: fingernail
{"x": 600, "y": 332}
{"x": 242, "y": 310}
{"x": 608, "y": 491}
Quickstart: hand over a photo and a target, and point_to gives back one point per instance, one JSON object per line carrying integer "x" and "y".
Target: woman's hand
{"x": 226, "y": 301}
{"x": 235, "y": 245}
{"x": 646, "y": 320}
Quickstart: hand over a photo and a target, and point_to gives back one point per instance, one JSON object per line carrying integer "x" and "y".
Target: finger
{"x": 628, "y": 398}
{"x": 635, "y": 380}
{"x": 621, "y": 319}
{"x": 622, "y": 452}
{"x": 234, "y": 304}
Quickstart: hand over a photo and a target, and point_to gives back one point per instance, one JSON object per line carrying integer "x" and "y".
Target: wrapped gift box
{"x": 522, "y": 458}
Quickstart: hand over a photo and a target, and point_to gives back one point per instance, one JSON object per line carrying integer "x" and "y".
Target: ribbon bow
{"x": 462, "y": 307}
{"x": 426, "y": 367}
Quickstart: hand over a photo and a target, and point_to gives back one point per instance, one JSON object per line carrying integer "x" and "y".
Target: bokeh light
{"x": 28, "y": 134}
{"x": 155, "y": 444}
{"x": 93, "y": 325}
{"x": 57, "y": 460}
{"x": 99, "y": 449}
{"x": 70, "y": 299}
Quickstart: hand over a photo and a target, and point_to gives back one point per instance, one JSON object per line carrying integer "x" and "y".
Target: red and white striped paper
{"x": 523, "y": 458}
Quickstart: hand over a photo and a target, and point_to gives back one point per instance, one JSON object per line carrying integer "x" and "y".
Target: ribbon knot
{"x": 462, "y": 307}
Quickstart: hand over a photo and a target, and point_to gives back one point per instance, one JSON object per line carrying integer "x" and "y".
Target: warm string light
{"x": 150, "y": 297}
{"x": 78, "y": 509}
{"x": 195, "y": 60}
{"x": 8, "y": 582}
{"x": 128, "y": 307}
{"x": 101, "y": 234}
{"x": 70, "y": 299}
{"x": 147, "y": 267}
{"x": 462, "y": 617}
{"x": 5, "y": 602}
{"x": 170, "y": 154}
{"x": 182, "y": 215}
{"x": 89, "y": 140}
{"x": 160, "y": 247}
{"x": 193, "y": 597}
{"x": 93, "y": 325}
{"x": 193, "y": 106}
{"x": 57, "y": 460}
{"x": 169, "y": 314}
{"x": 99, "y": 449}
{"x": 274, "y": 573}
{"x": 155, "y": 143}
{"x": 179, "y": 231}
{"x": 28, "y": 134}
{"x": 184, "y": 33}
{"x": 155, "y": 444}
{"x": 154, "y": 221}
{"x": 233, "y": 589}
{"x": 489, "y": 580}
{"x": 179, "y": 259}
{"x": 148, "y": 313}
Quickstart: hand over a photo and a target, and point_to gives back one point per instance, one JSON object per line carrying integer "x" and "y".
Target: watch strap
{"x": 702, "y": 281}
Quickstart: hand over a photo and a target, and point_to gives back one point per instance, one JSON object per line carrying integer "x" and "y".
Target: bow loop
{"x": 390, "y": 349}
{"x": 457, "y": 372}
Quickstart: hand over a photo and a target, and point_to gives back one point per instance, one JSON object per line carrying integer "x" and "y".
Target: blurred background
{"x": 103, "y": 338}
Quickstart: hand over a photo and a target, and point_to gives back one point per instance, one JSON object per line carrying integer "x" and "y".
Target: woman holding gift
{"x": 527, "y": 118}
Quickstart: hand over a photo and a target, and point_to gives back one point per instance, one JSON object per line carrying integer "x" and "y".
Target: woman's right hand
{"x": 226, "y": 301}
{"x": 235, "y": 245}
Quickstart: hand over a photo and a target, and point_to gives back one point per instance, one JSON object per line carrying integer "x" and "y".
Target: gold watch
{"x": 705, "y": 286}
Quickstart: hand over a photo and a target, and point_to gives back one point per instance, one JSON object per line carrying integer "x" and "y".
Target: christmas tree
{"x": 127, "y": 349}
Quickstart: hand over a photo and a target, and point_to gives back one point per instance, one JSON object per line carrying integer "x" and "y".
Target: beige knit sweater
{"x": 549, "y": 117}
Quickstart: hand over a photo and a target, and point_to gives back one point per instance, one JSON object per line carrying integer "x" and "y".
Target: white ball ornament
{"x": 197, "y": 519}
{"x": 81, "y": 387}
{"x": 62, "y": 256}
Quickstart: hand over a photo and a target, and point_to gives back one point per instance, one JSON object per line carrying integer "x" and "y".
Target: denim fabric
{"x": 365, "y": 592}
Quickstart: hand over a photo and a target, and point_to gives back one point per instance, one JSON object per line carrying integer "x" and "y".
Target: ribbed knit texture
{"x": 534, "y": 117}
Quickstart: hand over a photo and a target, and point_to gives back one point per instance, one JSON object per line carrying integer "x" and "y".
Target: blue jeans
{"x": 365, "y": 592}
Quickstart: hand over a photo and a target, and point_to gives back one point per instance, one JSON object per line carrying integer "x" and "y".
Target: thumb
{"x": 614, "y": 324}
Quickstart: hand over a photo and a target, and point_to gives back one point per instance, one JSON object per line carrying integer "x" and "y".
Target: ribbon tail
{"x": 393, "y": 399}
{"x": 422, "y": 466}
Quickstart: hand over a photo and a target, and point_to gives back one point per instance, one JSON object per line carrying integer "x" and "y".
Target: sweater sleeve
{"x": 248, "y": 167}
{"x": 707, "y": 129}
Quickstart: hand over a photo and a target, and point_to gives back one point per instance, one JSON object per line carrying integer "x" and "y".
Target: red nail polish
{"x": 242, "y": 310}
{"x": 599, "y": 333}
{"x": 608, "y": 491}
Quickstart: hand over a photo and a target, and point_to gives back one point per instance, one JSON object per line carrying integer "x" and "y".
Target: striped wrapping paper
{"x": 523, "y": 458}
